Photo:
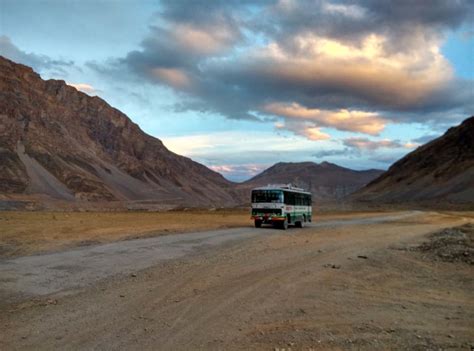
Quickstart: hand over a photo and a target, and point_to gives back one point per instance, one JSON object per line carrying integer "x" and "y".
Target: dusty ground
{"x": 26, "y": 233}
{"x": 344, "y": 285}
{"x": 65, "y": 271}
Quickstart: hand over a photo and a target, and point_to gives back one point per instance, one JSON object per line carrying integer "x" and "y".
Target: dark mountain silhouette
{"x": 439, "y": 173}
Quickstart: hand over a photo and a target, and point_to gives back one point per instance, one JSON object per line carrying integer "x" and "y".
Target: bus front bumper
{"x": 268, "y": 218}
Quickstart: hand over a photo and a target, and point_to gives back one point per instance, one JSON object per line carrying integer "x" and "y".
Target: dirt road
{"x": 68, "y": 270}
{"x": 344, "y": 284}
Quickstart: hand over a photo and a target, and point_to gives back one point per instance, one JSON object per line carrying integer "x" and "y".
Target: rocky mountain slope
{"x": 57, "y": 143}
{"x": 326, "y": 181}
{"x": 439, "y": 173}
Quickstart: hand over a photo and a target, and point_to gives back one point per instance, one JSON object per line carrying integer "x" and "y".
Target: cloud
{"x": 239, "y": 172}
{"x": 256, "y": 150}
{"x": 353, "y": 10}
{"x": 348, "y": 21}
{"x": 348, "y": 66}
{"x": 387, "y": 160}
{"x": 333, "y": 152}
{"x": 367, "y": 144}
{"x": 215, "y": 148}
{"x": 181, "y": 40}
{"x": 191, "y": 145}
{"x": 37, "y": 62}
{"x": 85, "y": 88}
{"x": 315, "y": 71}
{"x": 203, "y": 41}
{"x": 314, "y": 133}
{"x": 426, "y": 138}
{"x": 308, "y": 130}
{"x": 354, "y": 121}
{"x": 411, "y": 145}
{"x": 172, "y": 76}
{"x": 436, "y": 14}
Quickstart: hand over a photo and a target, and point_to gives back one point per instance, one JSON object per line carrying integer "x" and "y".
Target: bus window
{"x": 281, "y": 197}
{"x": 289, "y": 198}
{"x": 267, "y": 196}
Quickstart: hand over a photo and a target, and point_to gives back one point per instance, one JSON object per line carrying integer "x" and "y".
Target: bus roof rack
{"x": 288, "y": 186}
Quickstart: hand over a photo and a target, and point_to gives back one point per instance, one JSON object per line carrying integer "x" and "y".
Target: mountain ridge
{"x": 327, "y": 181}
{"x": 440, "y": 170}
{"x": 95, "y": 150}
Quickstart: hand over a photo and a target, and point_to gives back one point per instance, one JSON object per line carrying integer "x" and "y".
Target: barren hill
{"x": 326, "y": 181}
{"x": 59, "y": 144}
{"x": 440, "y": 172}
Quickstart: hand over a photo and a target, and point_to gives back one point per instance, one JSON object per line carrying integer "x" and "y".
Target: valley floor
{"x": 362, "y": 281}
{"x": 32, "y": 232}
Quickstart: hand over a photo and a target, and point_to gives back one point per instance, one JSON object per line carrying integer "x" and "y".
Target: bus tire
{"x": 284, "y": 224}
{"x": 299, "y": 224}
{"x": 258, "y": 224}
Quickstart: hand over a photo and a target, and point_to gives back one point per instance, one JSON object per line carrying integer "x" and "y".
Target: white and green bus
{"x": 281, "y": 205}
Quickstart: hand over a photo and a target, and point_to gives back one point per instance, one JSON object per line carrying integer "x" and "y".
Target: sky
{"x": 241, "y": 85}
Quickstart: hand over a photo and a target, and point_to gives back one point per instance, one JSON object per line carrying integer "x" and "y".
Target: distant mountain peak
{"x": 325, "y": 180}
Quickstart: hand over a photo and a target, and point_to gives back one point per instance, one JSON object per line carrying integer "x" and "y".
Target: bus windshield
{"x": 267, "y": 196}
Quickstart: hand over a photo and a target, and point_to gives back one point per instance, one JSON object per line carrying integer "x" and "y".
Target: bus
{"x": 281, "y": 205}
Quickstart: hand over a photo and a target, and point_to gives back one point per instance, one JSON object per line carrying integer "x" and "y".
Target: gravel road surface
{"x": 68, "y": 270}
{"x": 355, "y": 284}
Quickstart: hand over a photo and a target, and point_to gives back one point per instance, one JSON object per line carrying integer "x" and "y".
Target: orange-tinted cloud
{"x": 369, "y": 71}
{"x": 354, "y": 121}
{"x": 172, "y": 76}
{"x": 305, "y": 129}
{"x": 203, "y": 40}
{"x": 85, "y": 88}
{"x": 250, "y": 169}
{"x": 332, "y": 58}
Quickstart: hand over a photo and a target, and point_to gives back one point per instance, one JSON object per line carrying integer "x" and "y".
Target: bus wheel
{"x": 299, "y": 224}
{"x": 258, "y": 224}
{"x": 284, "y": 224}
